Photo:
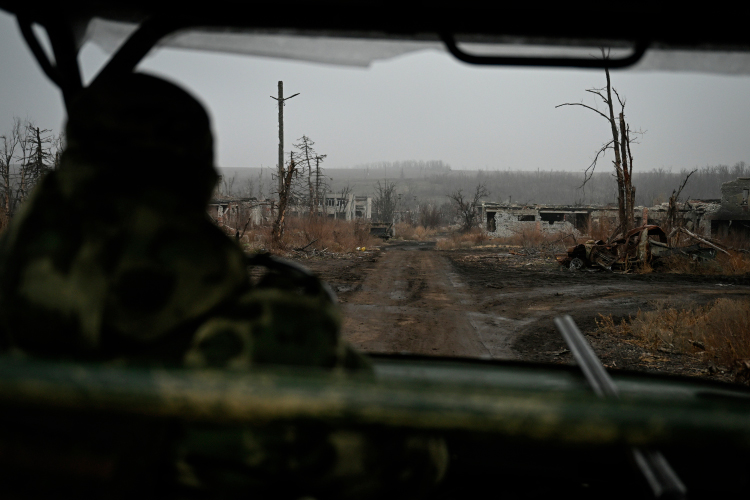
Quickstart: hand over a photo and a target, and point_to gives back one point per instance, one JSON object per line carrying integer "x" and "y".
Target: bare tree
{"x": 307, "y": 156}
{"x": 42, "y": 156}
{"x": 309, "y": 188}
{"x": 58, "y": 144}
{"x": 672, "y": 209}
{"x": 289, "y": 173}
{"x": 429, "y": 216}
{"x": 321, "y": 186}
{"x": 342, "y": 201}
{"x": 8, "y": 147}
{"x": 226, "y": 185}
{"x": 27, "y": 153}
{"x": 246, "y": 188}
{"x": 466, "y": 208}
{"x": 386, "y": 201}
{"x": 620, "y": 144}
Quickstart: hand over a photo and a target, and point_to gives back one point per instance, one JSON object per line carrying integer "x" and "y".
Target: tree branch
{"x": 585, "y": 106}
{"x": 622, "y": 103}
{"x": 599, "y": 93}
{"x": 589, "y": 172}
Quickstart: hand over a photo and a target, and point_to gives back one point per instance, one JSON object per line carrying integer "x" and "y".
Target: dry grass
{"x": 527, "y": 238}
{"x": 531, "y": 237}
{"x": 718, "y": 331}
{"x": 325, "y": 234}
{"x": 602, "y": 229}
{"x": 737, "y": 241}
{"x": 468, "y": 239}
{"x": 406, "y": 231}
{"x": 733, "y": 264}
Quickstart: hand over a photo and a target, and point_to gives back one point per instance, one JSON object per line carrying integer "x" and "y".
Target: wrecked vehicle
{"x": 639, "y": 245}
{"x": 383, "y": 230}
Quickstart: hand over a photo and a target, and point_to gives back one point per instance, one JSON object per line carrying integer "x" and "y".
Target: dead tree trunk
{"x": 286, "y": 183}
{"x": 618, "y": 160}
{"x": 671, "y": 222}
{"x": 620, "y": 145}
{"x": 627, "y": 174}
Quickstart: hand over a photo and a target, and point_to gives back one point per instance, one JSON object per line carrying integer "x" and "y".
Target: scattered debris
{"x": 302, "y": 249}
{"x": 698, "y": 344}
{"x": 712, "y": 368}
{"x": 638, "y": 246}
{"x": 703, "y": 240}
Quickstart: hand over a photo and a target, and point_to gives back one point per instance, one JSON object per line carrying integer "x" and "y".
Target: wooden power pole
{"x": 281, "y": 100}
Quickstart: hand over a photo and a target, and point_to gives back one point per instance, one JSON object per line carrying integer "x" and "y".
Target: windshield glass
{"x": 456, "y": 210}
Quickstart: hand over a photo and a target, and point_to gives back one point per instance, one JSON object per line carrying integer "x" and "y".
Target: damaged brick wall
{"x": 516, "y": 220}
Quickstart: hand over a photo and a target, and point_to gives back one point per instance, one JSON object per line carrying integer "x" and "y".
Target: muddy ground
{"x": 408, "y": 297}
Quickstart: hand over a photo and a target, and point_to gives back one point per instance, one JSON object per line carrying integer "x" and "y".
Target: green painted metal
{"x": 514, "y": 401}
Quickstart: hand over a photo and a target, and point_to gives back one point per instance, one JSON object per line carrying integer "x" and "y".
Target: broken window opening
{"x": 581, "y": 222}
{"x": 491, "y": 226}
{"x": 730, "y": 228}
{"x": 551, "y": 217}
{"x": 526, "y": 218}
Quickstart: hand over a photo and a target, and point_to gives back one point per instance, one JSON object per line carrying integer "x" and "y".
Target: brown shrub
{"x": 737, "y": 241}
{"x": 532, "y": 237}
{"x": 319, "y": 233}
{"x": 430, "y": 216}
{"x": 471, "y": 238}
{"x": 721, "y": 329}
{"x": 733, "y": 264}
{"x": 407, "y": 231}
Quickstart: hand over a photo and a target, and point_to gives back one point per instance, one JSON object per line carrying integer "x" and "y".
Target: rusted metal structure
{"x": 638, "y": 246}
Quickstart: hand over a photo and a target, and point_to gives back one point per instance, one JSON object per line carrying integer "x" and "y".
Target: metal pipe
{"x": 662, "y": 479}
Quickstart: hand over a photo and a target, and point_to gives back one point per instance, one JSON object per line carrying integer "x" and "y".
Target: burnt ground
{"x": 407, "y": 297}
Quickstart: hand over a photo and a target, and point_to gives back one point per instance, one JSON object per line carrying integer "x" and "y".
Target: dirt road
{"x": 412, "y": 301}
{"x": 491, "y": 303}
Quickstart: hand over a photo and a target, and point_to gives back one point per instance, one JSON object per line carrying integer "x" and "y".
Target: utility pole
{"x": 318, "y": 159}
{"x": 281, "y": 100}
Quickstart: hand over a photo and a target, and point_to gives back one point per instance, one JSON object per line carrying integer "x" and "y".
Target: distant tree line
{"x": 530, "y": 187}
{"x": 566, "y": 188}
{"x": 403, "y": 169}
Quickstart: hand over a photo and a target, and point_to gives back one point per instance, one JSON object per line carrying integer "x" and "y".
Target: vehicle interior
{"x": 515, "y": 429}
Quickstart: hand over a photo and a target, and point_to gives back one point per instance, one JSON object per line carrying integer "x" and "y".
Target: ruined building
{"x": 732, "y": 217}
{"x": 728, "y": 216}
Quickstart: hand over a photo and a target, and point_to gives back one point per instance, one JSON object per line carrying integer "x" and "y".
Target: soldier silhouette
{"x": 114, "y": 259}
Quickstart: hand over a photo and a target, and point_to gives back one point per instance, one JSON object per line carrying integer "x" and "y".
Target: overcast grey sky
{"x": 423, "y": 106}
